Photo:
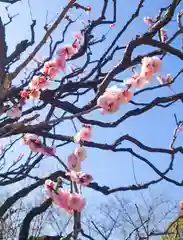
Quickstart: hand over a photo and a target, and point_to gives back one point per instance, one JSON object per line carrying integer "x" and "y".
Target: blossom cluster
{"x": 113, "y": 97}
{"x": 66, "y": 199}
{"x": 50, "y": 70}
{"x": 63, "y": 198}
{"x": 109, "y": 102}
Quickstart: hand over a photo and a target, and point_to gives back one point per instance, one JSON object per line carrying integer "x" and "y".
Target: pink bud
{"x": 112, "y": 25}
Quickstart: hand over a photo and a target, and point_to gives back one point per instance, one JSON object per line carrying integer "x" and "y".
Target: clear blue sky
{"x": 154, "y": 128}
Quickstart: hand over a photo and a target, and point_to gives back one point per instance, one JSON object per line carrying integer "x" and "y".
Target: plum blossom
{"x": 80, "y": 153}
{"x": 76, "y": 202}
{"x": 78, "y": 36}
{"x": 164, "y": 80}
{"x": 24, "y": 94}
{"x": 149, "y": 21}
{"x": 14, "y": 112}
{"x": 74, "y": 163}
{"x": 163, "y": 34}
{"x": 67, "y": 51}
{"x": 81, "y": 178}
{"x": 59, "y": 196}
{"x": 61, "y": 63}
{"x": 84, "y": 134}
{"x": 108, "y": 103}
{"x": 35, "y": 145}
{"x": 50, "y": 68}
{"x": 126, "y": 96}
{"x": 181, "y": 208}
{"x": 74, "y": 160}
{"x": 112, "y": 25}
{"x": 29, "y": 137}
{"x": 73, "y": 175}
{"x": 34, "y": 94}
{"x": 63, "y": 198}
{"x": 136, "y": 81}
{"x": 85, "y": 179}
{"x": 76, "y": 45}
{"x": 39, "y": 82}
{"x": 150, "y": 66}
{"x": 112, "y": 98}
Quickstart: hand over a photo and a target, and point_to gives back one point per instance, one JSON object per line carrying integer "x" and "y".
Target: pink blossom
{"x": 34, "y": 94}
{"x": 137, "y": 81}
{"x": 112, "y": 98}
{"x": 80, "y": 178}
{"x": 73, "y": 175}
{"x": 156, "y": 63}
{"x": 49, "y": 186}
{"x": 126, "y": 96}
{"x": 76, "y": 202}
{"x": 48, "y": 151}
{"x": 39, "y": 82}
{"x": 24, "y": 94}
{"x": 181, "y": 208}
{"x": 108, "y": 103}
{"x": 74, "y": 163}
{"x": 35, "y": 145}
{"x": 64, "y": 199}
{"x": 76, "y": 45}
{"x": 151, "y": 64}
{"x": 114, "y": 90}
{"x": 14, "y": 112}
{"x": 85, "y": 179}
{"x": 80, "y": 153}
{"x": 67, "y": 51}
{"x": 61, "y": 63}
{"x": 112, "y": 25}
{"x": 50, "y": 68}
{"x": 164, "y": 36}
{"x": 123, "y": 96}
{"x": 164, "y": 80}
{"x": 28, "y": 137}
{"x": 78, "y": 36}
{"x": 60, "y": 197}
{"x": 84, "y": 134}
{"x": 149, "y": 21}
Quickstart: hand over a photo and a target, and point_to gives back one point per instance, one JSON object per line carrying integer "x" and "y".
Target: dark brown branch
{"x": 3, "y": 51}
{"x": 22, "y": 46}
{"x": 24, "y": 230}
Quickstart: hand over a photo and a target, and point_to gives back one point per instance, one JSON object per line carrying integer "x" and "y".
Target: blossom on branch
{"x": 84, "y": 134}
{"x": 63, "y": 198}
{"x": 164, "y": 80}
{"x": 81, "y": 178}
{"x": 74, "y": 160}
{"x": 149, "y": 21}
{"x": 39, "y": 82}
{"x": 112, "y": 98}
{"x": 35, "y": 145}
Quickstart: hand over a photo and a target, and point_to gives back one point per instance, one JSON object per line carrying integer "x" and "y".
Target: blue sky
{"x": 154, "y": 128}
